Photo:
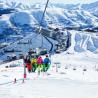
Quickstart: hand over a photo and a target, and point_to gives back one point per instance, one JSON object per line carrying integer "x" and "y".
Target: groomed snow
{"x": 63, "y": 82}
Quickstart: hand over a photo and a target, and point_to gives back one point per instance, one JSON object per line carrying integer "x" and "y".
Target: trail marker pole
{"x": 25, "y": 75}
{"x": 57, "y": 63}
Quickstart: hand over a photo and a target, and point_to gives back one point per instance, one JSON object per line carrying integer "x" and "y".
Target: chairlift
{"x": 43, "y": 51}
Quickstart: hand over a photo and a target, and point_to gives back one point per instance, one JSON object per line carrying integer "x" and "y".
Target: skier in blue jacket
{"x": 46, "y": 63}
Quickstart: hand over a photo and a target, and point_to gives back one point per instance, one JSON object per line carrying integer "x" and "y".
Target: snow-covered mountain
{"x": 25, "y": 18}
{"x": 60, "y": 14}
{"x": 83, "y": 41}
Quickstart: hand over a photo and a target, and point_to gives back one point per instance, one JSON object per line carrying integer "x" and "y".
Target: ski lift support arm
{"x": 41, "y": 23}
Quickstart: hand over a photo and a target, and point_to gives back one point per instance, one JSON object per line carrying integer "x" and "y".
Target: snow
{"x": 72, "y": 74}
{"x": 18, "y": 20}
{"x": 55, "y": 16}
{"x": 41, "y": 88}
{"x": 4, "y": 23}
{"x": 61, "y": 82}
{"x": 81, "y": 42}
{"x": 61, "y": 16}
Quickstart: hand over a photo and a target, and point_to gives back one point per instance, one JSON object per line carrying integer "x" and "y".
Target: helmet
{"x": 39, "y": 57}
{"x": 46, "y": 55}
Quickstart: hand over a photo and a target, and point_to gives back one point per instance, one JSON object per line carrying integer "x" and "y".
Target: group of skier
{"x": 34, "y": 63}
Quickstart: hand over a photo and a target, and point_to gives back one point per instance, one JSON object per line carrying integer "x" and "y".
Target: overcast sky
{"x": 57, "y": 1}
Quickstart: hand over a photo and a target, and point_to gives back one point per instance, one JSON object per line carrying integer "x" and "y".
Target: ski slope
{"x": 75, "y": 76}
{"x": 59, "y": 82}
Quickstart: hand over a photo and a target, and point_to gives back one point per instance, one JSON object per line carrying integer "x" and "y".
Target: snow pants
{"x": 34, "y": 67}
{"x": 29, "y": 67}
{"x": 46, "y": 67}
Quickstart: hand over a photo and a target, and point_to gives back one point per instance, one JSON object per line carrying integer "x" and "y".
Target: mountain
{"x": 26, "y": 19}
{"x": 61, "y": 14}
{"x": 91, "y": 6}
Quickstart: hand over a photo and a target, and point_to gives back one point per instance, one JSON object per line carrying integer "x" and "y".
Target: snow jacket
{"x": 47, "y": 61}
{"x": 29, "y": 66}
{"x": 40, "y": 60}
{"x": 34, "y": 61}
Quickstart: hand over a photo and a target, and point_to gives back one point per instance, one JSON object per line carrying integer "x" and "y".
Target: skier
{"x": 34, "y": 64}
{"x": 46, "y": 63}
{"x": 30, "y": 52}
{"x": 39, "y": 62}
{"x": 28, "y": 64}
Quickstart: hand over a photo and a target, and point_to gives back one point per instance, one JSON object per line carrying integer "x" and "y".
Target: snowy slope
{"x": 81, "y": 42}
{"x": 76, "y": 75}
{"x": 64, "y": 83}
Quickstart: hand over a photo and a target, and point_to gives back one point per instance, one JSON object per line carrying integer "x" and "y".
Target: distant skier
{"x": 46, "y": 63}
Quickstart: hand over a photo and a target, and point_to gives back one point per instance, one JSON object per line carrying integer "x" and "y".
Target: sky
{"x": 56, "y": 1}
